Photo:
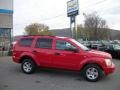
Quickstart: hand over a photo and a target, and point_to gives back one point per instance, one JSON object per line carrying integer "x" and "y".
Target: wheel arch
{"x": 94, "y": 63}
{"x": 27, "y": 57}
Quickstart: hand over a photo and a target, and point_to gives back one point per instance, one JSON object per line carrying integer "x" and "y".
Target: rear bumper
{"x": 109, "y": 70}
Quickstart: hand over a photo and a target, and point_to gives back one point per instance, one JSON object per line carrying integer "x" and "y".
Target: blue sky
{"x": 53, "y": 13}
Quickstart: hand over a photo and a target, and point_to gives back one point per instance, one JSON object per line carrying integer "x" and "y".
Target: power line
{"x": 46, "y": 19}
{"x": 60, "y": 15}
{"x": 106, "y": 8}
{"x": 99, "y": 2}
{"x": 63, "y": 14}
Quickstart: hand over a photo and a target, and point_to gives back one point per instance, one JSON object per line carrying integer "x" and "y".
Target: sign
{"x": 72, "y": 8}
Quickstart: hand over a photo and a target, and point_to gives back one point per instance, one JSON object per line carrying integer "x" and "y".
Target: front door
{"x": 65, "y": 57}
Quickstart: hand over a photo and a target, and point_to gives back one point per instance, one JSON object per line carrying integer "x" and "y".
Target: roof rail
{"x": 38, "y": 35}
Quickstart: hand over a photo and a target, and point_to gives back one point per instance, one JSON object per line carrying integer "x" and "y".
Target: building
{"x": 6, "y": 21}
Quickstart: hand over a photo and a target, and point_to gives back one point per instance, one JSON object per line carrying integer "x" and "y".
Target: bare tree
{"x": 82, "y": 32}
{"x": 37, "y": 29}
{"x": 96, "y": 26}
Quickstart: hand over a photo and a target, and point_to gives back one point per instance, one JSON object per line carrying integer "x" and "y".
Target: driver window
{"x": 63, "y": 45}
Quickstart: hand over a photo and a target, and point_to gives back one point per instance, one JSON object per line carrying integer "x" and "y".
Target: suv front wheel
{"x": 28, "y": 66}
{"x": 92, "y": 73}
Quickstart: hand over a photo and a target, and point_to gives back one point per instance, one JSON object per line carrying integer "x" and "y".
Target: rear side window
{"x": 26, "y": 42}
{"x": 44, "y": 43}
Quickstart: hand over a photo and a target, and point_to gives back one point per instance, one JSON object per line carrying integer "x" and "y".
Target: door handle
{"x": 34, "y": 51}
{"x": 56, "y": 53}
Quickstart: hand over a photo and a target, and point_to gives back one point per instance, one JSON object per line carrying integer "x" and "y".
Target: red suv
{"x": 62, "y": 53}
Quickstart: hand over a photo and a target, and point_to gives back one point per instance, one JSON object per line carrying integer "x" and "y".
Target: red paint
{"x": 62, "y": 59}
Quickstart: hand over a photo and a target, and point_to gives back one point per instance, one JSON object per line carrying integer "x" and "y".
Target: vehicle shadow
{"x": 77, "y": 76}
{"x": 59, "y": 73}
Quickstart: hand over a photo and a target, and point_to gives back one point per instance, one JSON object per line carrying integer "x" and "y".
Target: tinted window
{"x": 26, "y": 42}
{"x": 63, "y": 45}
{"x": 44, "y": 43}
{"x": 80, "y": 45}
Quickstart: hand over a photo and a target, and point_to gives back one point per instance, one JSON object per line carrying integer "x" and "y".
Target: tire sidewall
{"x": 32, "y": 65}
{"x": 100, "y": 72}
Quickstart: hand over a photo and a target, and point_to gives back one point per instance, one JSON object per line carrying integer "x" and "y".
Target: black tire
{"x": 92, "y": 72}
{"x": 28, "y": 66}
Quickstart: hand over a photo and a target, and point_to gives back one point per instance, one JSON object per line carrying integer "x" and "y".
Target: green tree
{"x": 37, "y": 29}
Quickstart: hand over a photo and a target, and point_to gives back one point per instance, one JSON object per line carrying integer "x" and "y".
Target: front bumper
{"x": 109, "y": 70}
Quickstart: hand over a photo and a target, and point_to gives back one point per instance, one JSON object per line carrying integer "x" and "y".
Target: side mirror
{"x": 75, "y": 50}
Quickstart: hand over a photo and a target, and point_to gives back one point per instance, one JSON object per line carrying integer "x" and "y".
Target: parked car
{"x": 61, "y": 53}
{"x": 114, "y": 50}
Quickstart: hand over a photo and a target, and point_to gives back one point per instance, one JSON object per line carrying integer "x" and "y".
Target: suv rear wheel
{"x": 92, "y": 72}
{"x": 28, "y": 66}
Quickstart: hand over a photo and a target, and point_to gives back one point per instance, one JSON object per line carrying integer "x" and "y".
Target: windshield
{"x": 80, "y": 45}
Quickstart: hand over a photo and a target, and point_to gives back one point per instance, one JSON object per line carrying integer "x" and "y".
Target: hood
{"x": 99, "y": 54}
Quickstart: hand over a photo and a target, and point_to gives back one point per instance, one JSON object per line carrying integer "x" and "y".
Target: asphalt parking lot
{"x": 12, "y": 78}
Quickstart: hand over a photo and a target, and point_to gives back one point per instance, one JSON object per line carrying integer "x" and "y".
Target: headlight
{"x": 108, "y": 62}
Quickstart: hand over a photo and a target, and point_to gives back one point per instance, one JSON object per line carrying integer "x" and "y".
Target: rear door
{"x": 43, "y": 51}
